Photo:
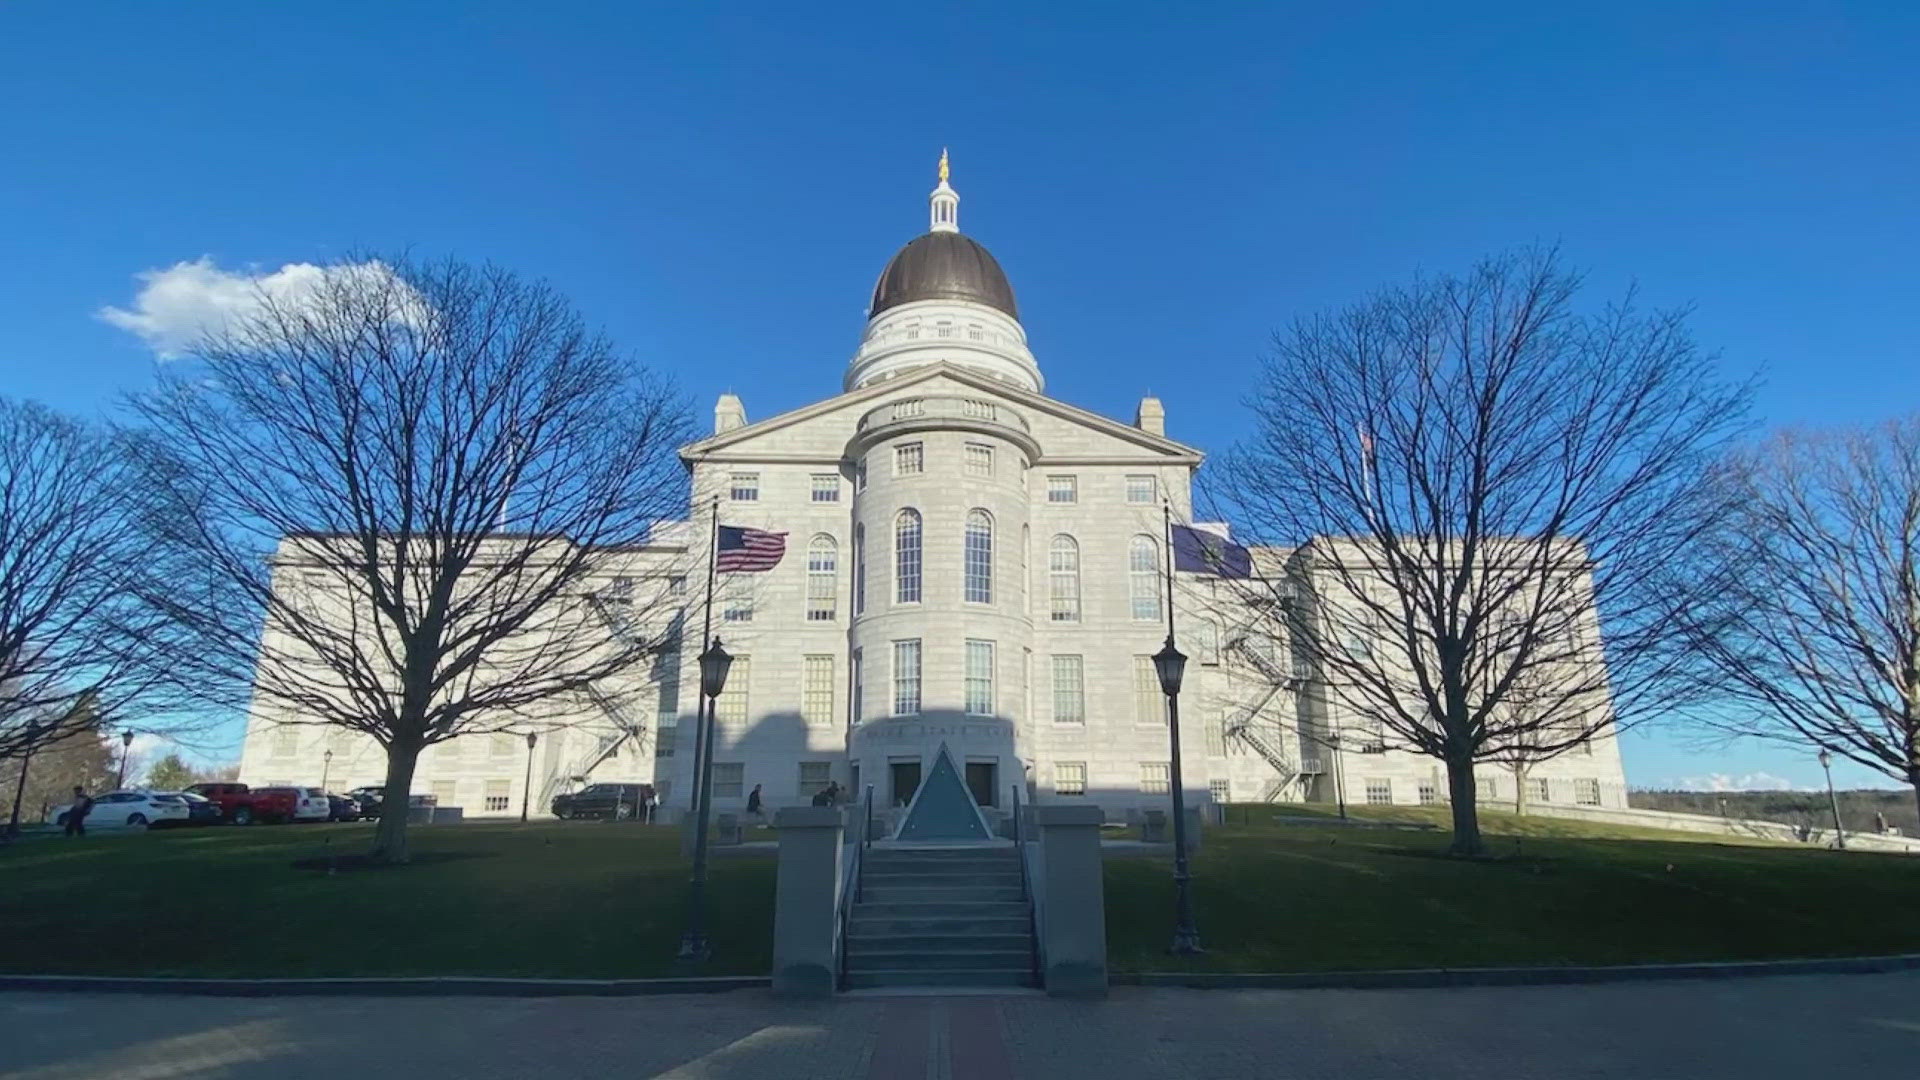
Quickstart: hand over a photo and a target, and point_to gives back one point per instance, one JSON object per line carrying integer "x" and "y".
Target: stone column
{"x": 1073, "y": 927}
{"x": 805, "y": 898}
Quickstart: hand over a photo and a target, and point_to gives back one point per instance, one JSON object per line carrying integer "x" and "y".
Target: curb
{"x": 1427, "y": 978}
{"x": 425, "y": 986}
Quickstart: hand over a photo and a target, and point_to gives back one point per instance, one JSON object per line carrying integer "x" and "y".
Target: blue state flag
{"x": 1200, "y": 552}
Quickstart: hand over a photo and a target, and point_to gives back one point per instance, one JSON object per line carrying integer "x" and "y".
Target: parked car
{"x": 368, "y": 799}
{"x": 617, "y": 801}
{"x": 200, "y": 810}
{"x": 285, "y": 804}
{"x": 342, "y": 807}
{"x": 128, "y": 809}
{"x": 235, "y": 801}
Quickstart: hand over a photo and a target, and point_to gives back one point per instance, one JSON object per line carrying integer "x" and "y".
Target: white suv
{"x": 128, "y": 809}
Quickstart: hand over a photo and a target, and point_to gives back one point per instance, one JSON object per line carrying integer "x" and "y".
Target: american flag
{"x": 743, "y": 550}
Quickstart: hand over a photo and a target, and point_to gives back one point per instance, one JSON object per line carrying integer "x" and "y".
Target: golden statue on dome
{"x": 943, "y": 164}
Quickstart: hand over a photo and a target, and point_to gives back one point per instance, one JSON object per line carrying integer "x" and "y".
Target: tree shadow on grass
{"x": 361, "y": 861}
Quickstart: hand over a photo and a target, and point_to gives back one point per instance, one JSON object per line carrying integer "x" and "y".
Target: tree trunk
{"x": 1916, "y": 800}
{"x": 1520, "y": 790}
{"x": 390, "y": 837}
{"x": 1466, "y": 811}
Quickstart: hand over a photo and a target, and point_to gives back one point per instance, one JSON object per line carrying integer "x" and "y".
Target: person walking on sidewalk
{"x": 77, "y": 813}
{"x": 754, "y": 809}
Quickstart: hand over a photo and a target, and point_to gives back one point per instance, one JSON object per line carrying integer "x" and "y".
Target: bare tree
{"x": 1814, "y": 631}
{"x": 1484, "y": 484}
{"x": 73, "y": 639}
{"x": 390, "y": 504}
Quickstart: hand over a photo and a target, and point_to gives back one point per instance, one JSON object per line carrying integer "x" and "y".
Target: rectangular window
{"x": 1379, "y": 793}
{"x": 823, "y": 580}
{"x": 1429, "y": 794}
{"x": 979, "y": 460}
{"x": 1140, "y": 490}
{"x": 1209, "y": 636}
{"x": 1586, "y": 792}
{"x": 980, "y": 678}
{"x": 503, "y": 745}
{"x": 665, "y": 735}
{"x": 1149, "y": 706}
{"x": 499, "y": 795}
{"x": 1220, "y": 791}
{"x": 738, "y": 609}
{"x": 856, "y": 697}
{"x": 860, "y": 476}
{"x": 826, "y": 487}
{"x": 906, "y": 677}
{"x": 1584, "y": 747}
{"x": 816, "y": 693}
{"x": 731, "y": 706}
{"x": 1154, "y": 778}
{"x": 1069, "y": 778}
{"x": 909, "y": 460}
{"x": 1069, "y": 690}
{"x": 677, "y": 585}
{"x": 1540, "y": 789}
{"x": 445, "y": 792}
{"x": 729, "y": 779}
{"x": 286, "y": 741}
{"x": 1217, "y": 735}
{"x": 1063, "y": 489}
{"x": 744, "y": 487}
{"x": 814, "y": 778}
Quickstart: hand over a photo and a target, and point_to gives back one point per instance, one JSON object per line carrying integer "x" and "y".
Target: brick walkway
{"x": 1738, "y": 1029}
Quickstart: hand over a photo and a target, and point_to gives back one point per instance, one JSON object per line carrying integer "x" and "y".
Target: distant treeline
{"x": 1857, "y": 808}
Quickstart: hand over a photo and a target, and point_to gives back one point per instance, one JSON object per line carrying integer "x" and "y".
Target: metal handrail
{"x": 1026, "y": 887}
{"x": 850, "y": 893}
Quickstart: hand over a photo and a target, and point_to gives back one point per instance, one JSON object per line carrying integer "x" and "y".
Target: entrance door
{"x": 980, "y": 781}
{"x": 906, "y": 780}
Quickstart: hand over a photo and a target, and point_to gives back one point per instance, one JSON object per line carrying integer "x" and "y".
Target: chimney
{"x": 1152, "y": 417}
{"x": 728, "y": 413}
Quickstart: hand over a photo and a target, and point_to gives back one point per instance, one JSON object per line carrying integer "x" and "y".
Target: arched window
{"x": 1143, "y": 577}
{"x": 859, "y": 569}
{"x": 906, "y": 557}
{"x": 979, "y": 557}
{"x": 1063, "y": 579}
{"x": 823, "y": 565}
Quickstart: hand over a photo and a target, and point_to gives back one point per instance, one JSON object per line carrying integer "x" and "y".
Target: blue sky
{"x": 719, "y": 184}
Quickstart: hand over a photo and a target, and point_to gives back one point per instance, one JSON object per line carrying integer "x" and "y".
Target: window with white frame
{"x": 816, "y": 689}
{"x": 1069, "y": 690}
{"x": 979, "y": 459}
{"x": 1586, "y": 792}
{"x": 1379, "y": 793}
{"x": 906, "y": 557}
{"x": 729, "y": 779}
{"x": 1149, "y": 707}
{"x": 979, "y": 557}
{"x": 1540, "y": 789}
{"x": 859, "y": 569}
{"x": 1063, "y": 489}
{"x": 677, "y": 585}
{"x": 826, "y": 487}
{"x": 823, "y": 579}
{"x": 1217, "y": 734}
{"x": 814, "y": 777}
{"x": 286, "y": 741}
{"x": 499, "y": 795}
{"x": 731, "y": 706}
{"x": 1069, "y": 778}
{"x": 739, "y": 608}
{"x": 1155, "y": 778}
{"x": 1143, "y": 577}
{"x": 1209, "y": 637}
{"x": 909, "y": 459}
{"x": 1063, "y": 579}
{"x": 1428, "y": 793}
{"x": 979, "y": 677}
{"x": 906, "y": 677}
{"x": 856, "y": 694}
{"x": 445, "y": 792}
{"x": 1140, "y": 490}
{"x": 1220, "y": 791}
{"x": 744, "y": 487}
{"x": 666, "y": 734}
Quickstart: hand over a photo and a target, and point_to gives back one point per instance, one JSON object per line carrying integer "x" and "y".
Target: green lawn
{"x": 1297, "y": 897}
{"x": 592, "y": 900}
{"x": 557, "y": 899}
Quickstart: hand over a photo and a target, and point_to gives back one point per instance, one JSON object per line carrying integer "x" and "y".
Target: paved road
{"x": 1742, "y": 1029}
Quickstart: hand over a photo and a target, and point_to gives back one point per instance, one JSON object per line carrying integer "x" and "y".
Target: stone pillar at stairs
{"x": 1073, "y": 929}
{"x": 804, "y": 901}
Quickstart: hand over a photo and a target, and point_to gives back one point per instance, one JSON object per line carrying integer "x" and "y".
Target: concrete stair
{"x": 933, "y": 917}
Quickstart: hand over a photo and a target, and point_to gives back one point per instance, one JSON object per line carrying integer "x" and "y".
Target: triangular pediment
{"x": 818, "y": 430}
{"x": 942, "y": 807}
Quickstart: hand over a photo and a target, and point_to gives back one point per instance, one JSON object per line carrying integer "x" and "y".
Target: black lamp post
{"x": 326, "y": 767}
{"x": 1171, "y": 665}
{"x": 714, "y": 662}
{"x": 126, "y": 749}
{"x": 526, "y": 788}
{"x": 1833, "y": 801}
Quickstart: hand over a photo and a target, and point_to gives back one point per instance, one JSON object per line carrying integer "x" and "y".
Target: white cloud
{"x": 1753, "y": 781}
{"x": 178, "y": 306}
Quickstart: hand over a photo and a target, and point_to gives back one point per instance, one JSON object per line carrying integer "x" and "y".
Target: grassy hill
{"x": 1857, "y": 808}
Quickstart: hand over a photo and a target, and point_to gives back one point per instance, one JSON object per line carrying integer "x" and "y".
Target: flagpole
{"x": 706, "y": 632}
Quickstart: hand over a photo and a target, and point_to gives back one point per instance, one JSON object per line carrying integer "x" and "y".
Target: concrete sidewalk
{"x": 1739, "y": 1029}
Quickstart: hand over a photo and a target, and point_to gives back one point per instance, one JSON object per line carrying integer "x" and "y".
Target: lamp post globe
{"x": 1833, "y": 800}
{"x": 326, "y": 767}
{"x": 714, "y": 664}
{"x": 126, "y": 751}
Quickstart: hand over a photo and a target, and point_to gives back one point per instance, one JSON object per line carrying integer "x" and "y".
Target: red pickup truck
{"x": 242, "y": 805}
